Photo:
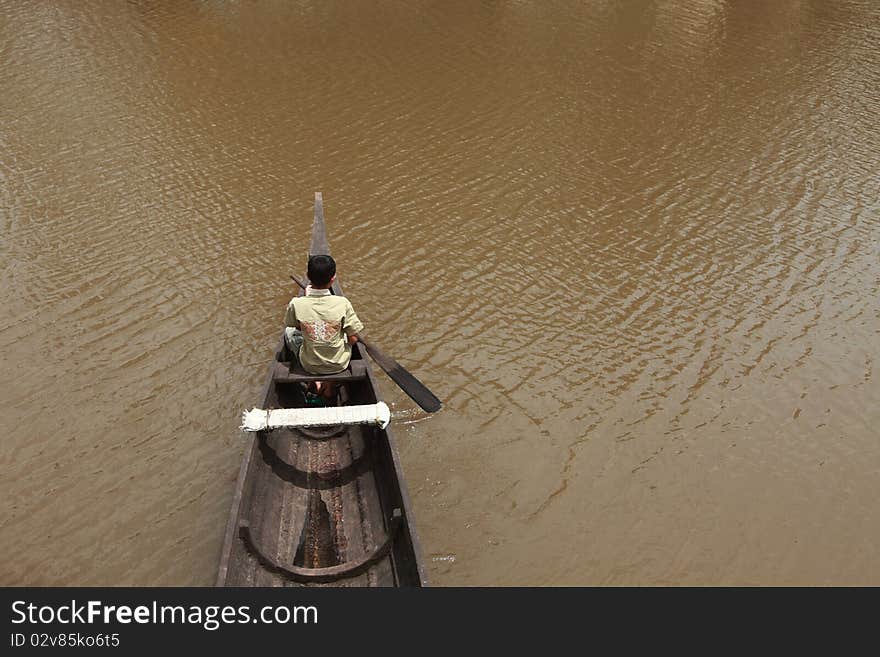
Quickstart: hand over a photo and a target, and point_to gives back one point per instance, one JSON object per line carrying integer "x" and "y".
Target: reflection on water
{"x": 634, "y": 247}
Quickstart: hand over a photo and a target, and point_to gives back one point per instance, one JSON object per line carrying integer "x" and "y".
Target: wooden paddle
{"x": 407, "y": 382}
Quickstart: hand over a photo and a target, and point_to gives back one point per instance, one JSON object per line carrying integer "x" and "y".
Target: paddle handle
{"x": 298, "y": 281}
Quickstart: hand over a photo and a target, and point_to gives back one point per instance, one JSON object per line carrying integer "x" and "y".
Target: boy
{"x": 321, "y": 326}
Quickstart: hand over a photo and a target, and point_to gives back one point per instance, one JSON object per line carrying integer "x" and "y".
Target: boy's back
{"x": 325, "y": 320}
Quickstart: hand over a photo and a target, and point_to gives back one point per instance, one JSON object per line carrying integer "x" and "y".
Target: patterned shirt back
{"x": 325, "y": 321}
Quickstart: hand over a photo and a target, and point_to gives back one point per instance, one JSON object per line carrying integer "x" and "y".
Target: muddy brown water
{"x": 633, "y": 246}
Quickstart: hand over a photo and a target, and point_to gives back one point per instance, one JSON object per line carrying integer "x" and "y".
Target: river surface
{"x": 634, "y": 247}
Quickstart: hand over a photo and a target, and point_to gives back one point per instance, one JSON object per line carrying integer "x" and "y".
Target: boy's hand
{"x": 352, "y": 338}
{"x": 307, "y": 290}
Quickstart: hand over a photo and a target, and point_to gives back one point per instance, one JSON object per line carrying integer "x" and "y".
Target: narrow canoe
{"x": 323, "y": 506}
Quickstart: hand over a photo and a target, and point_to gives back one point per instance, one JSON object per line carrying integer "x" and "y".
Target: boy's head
{"x": 322, "y": 269}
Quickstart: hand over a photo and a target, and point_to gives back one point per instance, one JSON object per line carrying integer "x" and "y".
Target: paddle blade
{"x": 417, "y": 390}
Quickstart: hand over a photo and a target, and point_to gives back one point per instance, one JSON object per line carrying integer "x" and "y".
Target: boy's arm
{"x": 351, "y": 324}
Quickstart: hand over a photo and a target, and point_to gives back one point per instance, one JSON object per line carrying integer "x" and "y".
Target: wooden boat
{"x": 322, "y": 505}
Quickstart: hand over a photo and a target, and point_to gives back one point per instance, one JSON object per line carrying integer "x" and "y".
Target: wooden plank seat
{"x": 283, "y": 373}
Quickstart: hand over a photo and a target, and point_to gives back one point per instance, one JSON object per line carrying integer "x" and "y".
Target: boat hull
{"x": 324, "y": 507}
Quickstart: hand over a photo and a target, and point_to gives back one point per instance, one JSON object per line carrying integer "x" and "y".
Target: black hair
{"x": 321, "y": 269}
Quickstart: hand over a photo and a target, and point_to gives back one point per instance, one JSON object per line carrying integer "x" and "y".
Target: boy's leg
{"x": 328, "y": 390}
{"x": 293, "y": 340}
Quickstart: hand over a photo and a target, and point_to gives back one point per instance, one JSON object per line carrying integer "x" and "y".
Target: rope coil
{"x": 259, "y": 419}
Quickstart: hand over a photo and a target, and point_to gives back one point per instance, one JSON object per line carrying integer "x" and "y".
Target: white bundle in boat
{"x": 259, "y": 419}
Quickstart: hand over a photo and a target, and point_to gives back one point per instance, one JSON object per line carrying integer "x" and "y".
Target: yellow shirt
{"x": 325, "y": 320}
